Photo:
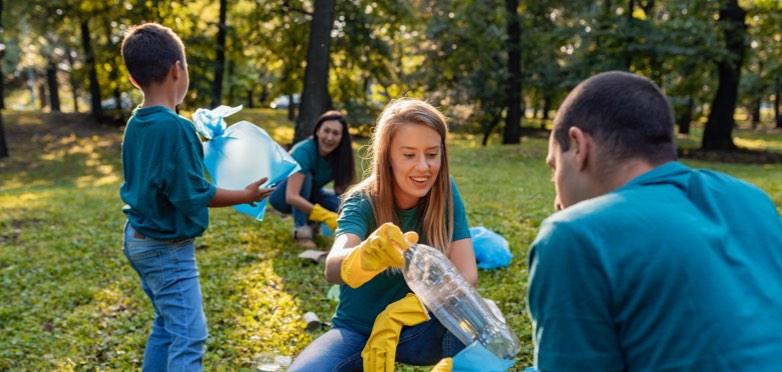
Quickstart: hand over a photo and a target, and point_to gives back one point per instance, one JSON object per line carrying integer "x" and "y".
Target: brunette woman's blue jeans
{"x": 339, "y": 349}
{"x": 169, "y": 277}
{"x": 314, "y": 195}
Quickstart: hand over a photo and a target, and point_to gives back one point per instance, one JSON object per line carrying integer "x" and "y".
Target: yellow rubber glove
{"x": 379, "y": 354}
{"x": 445, "y": 365}
{"x": 324, "y": 215}
{"x": 381, "y": 250}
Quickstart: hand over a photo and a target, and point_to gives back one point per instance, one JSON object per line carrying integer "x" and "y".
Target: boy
{"x": 167, "y": 198}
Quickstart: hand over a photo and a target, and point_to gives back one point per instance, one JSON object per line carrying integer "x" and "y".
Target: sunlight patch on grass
{"x": 757, "y": 143}
{"x": 282, "y": 134}
{"x": 25, "y": 199}
{"x": 108, "y": 177}
{"x": 269, "y": 315}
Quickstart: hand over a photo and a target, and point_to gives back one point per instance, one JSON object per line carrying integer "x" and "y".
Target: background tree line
{"x": 486, "y": 62}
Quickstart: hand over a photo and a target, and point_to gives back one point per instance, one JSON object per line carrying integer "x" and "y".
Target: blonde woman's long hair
{"x": 437, "y": 205}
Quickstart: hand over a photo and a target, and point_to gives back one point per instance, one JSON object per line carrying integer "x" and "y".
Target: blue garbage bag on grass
{"x": 241, "y": 154}
{"x": 491, "y": 249}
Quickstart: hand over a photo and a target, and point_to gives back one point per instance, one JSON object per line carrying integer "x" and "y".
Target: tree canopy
{"x": 478, "y": 60}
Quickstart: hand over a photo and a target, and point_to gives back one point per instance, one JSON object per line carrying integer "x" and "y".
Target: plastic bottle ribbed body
{"x": 455, "y": 303}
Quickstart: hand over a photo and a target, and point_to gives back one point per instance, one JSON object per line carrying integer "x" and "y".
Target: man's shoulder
{"x": 725, "y": 182}
{"x": 577, "y": 227}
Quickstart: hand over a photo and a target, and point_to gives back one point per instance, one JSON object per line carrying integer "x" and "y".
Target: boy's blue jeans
{"x": 314, "y": 195}
{"x": 169, "y": 276}
{"x": 339, "y": 349}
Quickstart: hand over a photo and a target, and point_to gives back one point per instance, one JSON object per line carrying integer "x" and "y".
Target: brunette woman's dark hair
{"x": 343, "y": 167}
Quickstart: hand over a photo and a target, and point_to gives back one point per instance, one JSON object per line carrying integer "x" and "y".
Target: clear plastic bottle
{"x": 455, "y": 303}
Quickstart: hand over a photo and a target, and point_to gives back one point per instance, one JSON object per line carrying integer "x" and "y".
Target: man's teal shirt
{"x": 165, "y": 190}
{"x": 359, "y": 307}
{"x": 679, "y": 270}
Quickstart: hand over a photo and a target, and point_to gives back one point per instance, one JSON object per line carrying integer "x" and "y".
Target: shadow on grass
{"x": 62, "y": 149}
{"x": 737, "y": 156}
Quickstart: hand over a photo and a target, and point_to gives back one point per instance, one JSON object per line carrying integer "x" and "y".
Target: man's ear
{"x": 134, "y": 82}
{"x": 581, "y": 144}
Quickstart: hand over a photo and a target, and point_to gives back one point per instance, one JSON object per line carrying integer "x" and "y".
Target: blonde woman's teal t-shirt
{"x": 359, "y": 307}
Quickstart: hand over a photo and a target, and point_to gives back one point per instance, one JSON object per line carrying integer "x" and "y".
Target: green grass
{"x": 70, "y": 300}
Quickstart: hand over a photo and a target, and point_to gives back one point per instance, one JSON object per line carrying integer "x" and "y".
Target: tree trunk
{"x": 648, "y": 7}
{"x": 250, "y": 102}
{"x": 546, "y": 107}
{"x": 685, "y": 117}
{"x": 628, "y": 54}
{"x": 264, "y": 95}
{"x": 2, "y": 85}
{"x": 778, "y": 91}
{"x": 54, "y": 87}
{"x": 217, "y": 84}
{"x": 113, "y": 73}
{"x": 96, "y": 109}
{"x": 72, "y": 79}
{"x": 756, "y": 113}
{"x": 2, "y": 76}
{"x": 487, "y": 129}
{"x": 291, "y": 110}
{"x": 512, "y": 132}
{"x": 719, "y": 127}
{"x": 315, "y": 96}
{"x": 42, "y": 94}
{"x": 3, "y": 142}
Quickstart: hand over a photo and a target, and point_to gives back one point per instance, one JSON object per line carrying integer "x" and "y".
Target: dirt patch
{"x": 16, "y": 227}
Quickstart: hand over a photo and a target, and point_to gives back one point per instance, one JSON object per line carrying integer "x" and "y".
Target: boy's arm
{"x": 251, "y": 194}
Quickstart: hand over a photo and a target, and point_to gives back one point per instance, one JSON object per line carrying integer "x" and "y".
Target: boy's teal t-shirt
{"x": 678, "y": 270}
{"x": 306, "y": 154}
{"x": 165, "y": 191}
{"x": 359, "y": 307}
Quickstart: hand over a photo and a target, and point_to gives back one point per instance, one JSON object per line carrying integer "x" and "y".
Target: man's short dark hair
{"x": 625, "y": 113}
{"x": 149, "y": 51}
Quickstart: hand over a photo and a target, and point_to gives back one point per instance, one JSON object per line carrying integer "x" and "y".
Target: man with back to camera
{"x": 650, "y": 265}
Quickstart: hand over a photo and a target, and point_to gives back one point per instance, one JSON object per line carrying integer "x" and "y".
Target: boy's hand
{"x": 255, "y": 192}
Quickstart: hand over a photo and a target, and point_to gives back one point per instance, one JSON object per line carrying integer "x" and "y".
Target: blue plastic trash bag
{"x": 476, "y": 358}
{"x": 491, "y": 249}
{"x": 241, "y": 154}
{"x": 325, "y": 230}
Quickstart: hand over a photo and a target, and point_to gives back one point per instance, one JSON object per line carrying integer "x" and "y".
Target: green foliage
{"x": 71, "y": 300}
{"x": 467, "y": 70}
{"x": 449, "y": 51}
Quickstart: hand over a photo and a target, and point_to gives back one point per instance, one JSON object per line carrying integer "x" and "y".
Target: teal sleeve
{"x": 461, "y": 230}
{"x": 356, "y": 217}
{"x": 184, "y": 183}
{"x": 304, "y": 156}
{"x": 569, "y": 301}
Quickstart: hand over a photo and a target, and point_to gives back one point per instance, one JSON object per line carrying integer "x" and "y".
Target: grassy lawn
{"x": 71, "y": 301}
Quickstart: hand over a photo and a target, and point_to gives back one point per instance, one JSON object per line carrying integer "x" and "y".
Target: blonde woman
{"x": 409, "y": 189}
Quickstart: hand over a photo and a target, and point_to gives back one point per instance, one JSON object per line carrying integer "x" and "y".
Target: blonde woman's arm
{"x": 342, "y": 247}
{"x": 462, "y": 255}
